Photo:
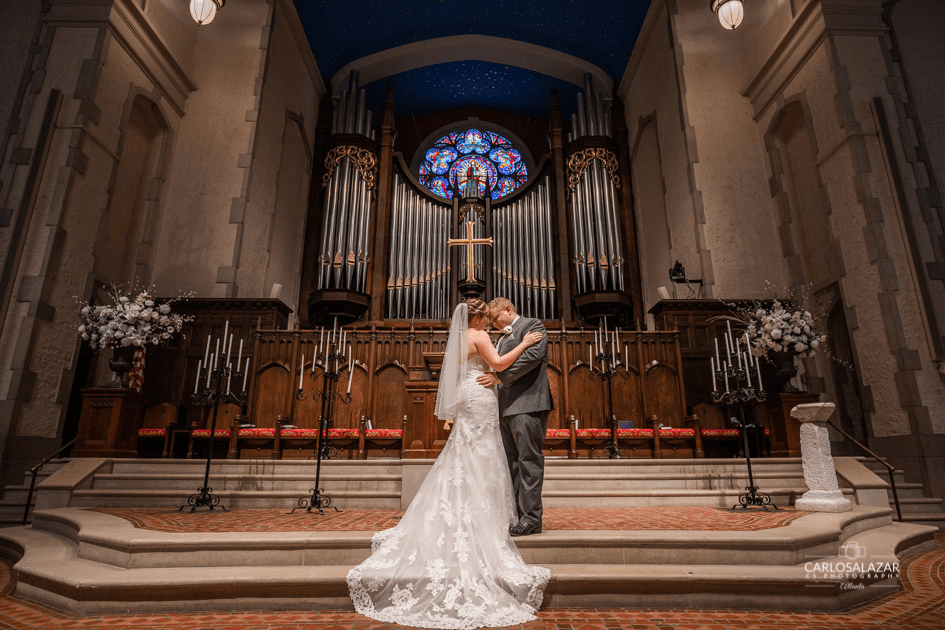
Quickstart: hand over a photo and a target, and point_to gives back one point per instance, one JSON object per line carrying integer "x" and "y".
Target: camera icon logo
{"x": 851, "y": 550}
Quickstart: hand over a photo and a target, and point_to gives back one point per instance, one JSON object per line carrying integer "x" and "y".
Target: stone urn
{"x": 784, "y": 371}
{"x": 120, "y": 364}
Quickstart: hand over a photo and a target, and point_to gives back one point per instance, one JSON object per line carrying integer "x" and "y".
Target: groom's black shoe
{"x": 524, "y": 529}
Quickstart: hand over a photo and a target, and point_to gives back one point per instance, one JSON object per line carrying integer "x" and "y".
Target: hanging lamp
{"x": 729, "y": 12}
{"x": 203, "y": 11}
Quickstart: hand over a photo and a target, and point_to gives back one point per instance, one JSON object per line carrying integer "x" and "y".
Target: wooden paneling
{"x": 392, "y": 380}
{"x": 171, "y": 369}
{"x": 272, "y": 383}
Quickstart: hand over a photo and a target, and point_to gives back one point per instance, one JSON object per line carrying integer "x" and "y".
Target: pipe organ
{"x": 593, "y": 190}
{"x": 418, "y": 285}
{"x": 560, "y": 232}
{"x": 349, "y": 179}
{"x": 524, "y": 252}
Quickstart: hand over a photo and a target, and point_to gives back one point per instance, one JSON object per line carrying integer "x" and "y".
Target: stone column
{"x": 819, "y": 473}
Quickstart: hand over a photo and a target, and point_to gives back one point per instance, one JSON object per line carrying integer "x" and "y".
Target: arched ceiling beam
{"x": 472, "y": 48}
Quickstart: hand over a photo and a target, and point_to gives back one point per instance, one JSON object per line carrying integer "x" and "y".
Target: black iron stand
{"x": 334, "y": 357}
{"x": 212, "y": 396}
{"x": 608, "y": 371}
{"x": 736, "y": 400}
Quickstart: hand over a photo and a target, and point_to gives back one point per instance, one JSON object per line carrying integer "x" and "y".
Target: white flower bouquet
{"x": 137, "y": 321}
{"x": 777, "y": 328}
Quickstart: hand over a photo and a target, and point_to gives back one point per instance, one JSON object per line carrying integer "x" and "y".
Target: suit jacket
{"x": 524, "y": 384}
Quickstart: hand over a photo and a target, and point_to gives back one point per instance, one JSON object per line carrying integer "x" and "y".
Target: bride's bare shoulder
{"x": 478, "y": 335}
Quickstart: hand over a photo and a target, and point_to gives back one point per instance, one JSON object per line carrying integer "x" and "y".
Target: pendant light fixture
{"x": 729, "y": 12}
{"x": 203, "y": 11}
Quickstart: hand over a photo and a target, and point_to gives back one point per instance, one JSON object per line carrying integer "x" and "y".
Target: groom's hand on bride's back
{"x": 488, "y": 379}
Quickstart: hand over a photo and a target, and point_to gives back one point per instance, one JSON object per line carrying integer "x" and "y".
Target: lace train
{"x": 450, "y": 562}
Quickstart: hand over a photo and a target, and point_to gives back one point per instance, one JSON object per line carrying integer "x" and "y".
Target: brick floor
{"x": 920, "y": 606}
{"x": 608, "y": 519}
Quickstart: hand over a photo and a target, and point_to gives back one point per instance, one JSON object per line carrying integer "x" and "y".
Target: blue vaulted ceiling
{"x": 601, "y": 32}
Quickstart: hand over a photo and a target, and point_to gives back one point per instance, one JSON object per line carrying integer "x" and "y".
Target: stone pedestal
{"x": 819, "y": 472}
{"x": 108, "y": 426}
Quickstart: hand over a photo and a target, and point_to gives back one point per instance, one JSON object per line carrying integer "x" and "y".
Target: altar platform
{"x": 122, "y": 559}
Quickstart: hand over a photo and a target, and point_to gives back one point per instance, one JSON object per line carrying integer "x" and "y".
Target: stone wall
{"x": 794, "y": 156}
{"x": 147, "y": 149}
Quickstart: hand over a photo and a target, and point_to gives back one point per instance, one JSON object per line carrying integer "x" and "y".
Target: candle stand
{"x": 609, "y": 362}
{"x": 608, "y": 371}
{"x": 318, "y": 500}
{"x": 212, "y": 396}
{"x": 736, "y": 400}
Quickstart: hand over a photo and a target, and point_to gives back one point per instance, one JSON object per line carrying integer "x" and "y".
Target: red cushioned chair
{"x": 636, "y": 442}
{"x": 589, "y": 439}
{"x": 345, "y": 442}
{"x": 200, "y": 437}
{"x": 298, "y": 443}
{"x": 559, "y": 439}
{"x": 258, "y": 443}
{"x": 155, "y": 431}
{"x": 390, "y": 442}
{"x": 677, "y": 443}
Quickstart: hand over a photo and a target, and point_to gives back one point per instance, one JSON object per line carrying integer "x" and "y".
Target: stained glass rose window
{"x": 468, "y": 158}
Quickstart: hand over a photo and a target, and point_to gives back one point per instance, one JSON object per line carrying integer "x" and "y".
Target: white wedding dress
{"x": 450, "y": 562}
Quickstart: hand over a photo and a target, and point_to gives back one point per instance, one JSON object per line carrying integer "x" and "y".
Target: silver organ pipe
{"x": 418, "y": 285}
{"x": 594, "y": 209}
{"x": 347, "y": 200}
{"x": 548, "y": 279}
{"x": 523, "y": 268}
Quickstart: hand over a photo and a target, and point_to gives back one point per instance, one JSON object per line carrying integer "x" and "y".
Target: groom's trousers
{"x": 522, "y": 437}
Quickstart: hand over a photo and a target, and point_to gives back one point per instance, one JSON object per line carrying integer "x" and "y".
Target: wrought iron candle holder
{"x": 331, "y": 371}
{"x": 609, "y": 362}
{"x": 213, "y": 395}
{"x": 736, "y": 370}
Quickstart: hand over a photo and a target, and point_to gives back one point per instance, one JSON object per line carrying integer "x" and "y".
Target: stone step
{"x": 907, "y": 490}
{"x": 929, "y": 519}
{"x": 226, "y": 481}
{"x": 109, "y": 539}
{"x": 668, "y": 481}
{"x": 14, "y": 497}
{"x": 11, "y": 514}
{"x": 722, "y": 498}
{"x": 354, "y": 495}
{"x": 586, "y": 466}
{"x": 920, "y": 505}
{"x": 232, "y": 499}
{"x": 258, "y": 467}
{"x": 102, "y": 573}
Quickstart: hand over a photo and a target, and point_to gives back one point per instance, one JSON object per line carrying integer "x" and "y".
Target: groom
{"x": 524, "y": 405}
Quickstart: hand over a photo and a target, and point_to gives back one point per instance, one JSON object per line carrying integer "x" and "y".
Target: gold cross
{"x": 469, "y": 241}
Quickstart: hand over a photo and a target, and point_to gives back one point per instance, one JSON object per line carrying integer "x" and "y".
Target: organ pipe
{"x": 523, "y": 269}
{"x": 349, "y": 184}
{"x": 594, "y": 211}
{"x": 418, "y": 284}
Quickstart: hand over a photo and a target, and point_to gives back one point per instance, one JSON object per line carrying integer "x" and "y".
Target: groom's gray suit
{"x": 524, "y": 404}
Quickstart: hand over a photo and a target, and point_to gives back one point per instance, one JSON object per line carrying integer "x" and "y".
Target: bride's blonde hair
{"x": 476, "y": 308}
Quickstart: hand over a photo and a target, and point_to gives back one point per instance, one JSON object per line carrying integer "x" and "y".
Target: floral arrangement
{"x": 778, "y": 328}
{"x": 130, "y": 321}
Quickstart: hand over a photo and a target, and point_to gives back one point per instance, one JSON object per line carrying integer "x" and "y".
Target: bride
{"x": 450, "y": 562}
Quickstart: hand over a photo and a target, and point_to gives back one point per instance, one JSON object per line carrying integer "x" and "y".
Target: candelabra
{"x": 336, "y": 354}
{"x": 609, "y": 362}
{"x": 216, "y": 372}
{"x": 735, "y": 373}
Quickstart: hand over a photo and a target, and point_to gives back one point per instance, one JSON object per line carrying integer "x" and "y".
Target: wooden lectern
{"x": 108, "y": 426}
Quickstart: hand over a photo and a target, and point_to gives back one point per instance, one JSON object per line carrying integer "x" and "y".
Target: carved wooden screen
{"x": 391, "y": 360}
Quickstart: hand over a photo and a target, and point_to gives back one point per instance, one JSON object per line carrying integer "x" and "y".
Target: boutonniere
{"x": 507, "y": 330}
